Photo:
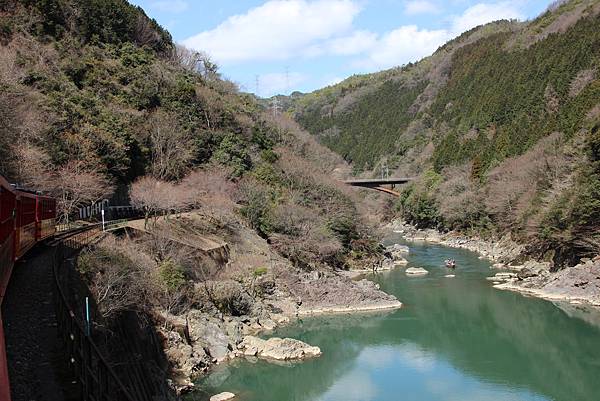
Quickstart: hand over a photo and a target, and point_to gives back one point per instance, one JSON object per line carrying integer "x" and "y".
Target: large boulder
{"x": 398, "y": 248}
{"x": 223, "y": 397}
{"x": 210, "y": 335}
{"x": 400, "y": 262}
{"x": 281, "y": 349}
{"x": 416, "y": 271}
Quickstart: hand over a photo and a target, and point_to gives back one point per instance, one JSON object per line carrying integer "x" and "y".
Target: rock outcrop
{"x": 577, "y": 284}
{"x": 416, "y": 271}
{"x": 331, "y": 293}
{"x": 223, "y": 397}
{"x": 280, "y": 349}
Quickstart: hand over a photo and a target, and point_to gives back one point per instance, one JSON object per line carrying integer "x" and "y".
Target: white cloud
{"x": 377, "y": 357}
{"x": 403, "y": 45}
{"x": 173, "y": 6}
{"x": 415, "y": 357}
{"x": 277, "y": 83}
{"x": 276, "y": 30}
{"x": 483, "y": 13}
{"x": 357, "y": 42}
{"x": 285, "y": 29}
{"x": 409, "y": 43}
{"x": 420, "y": 7}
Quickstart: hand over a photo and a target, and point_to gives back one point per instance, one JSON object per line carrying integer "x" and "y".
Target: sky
{"x": 280, "y": 46}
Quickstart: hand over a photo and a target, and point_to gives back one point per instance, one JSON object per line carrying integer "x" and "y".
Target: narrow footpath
{"x": 37, "y": 365}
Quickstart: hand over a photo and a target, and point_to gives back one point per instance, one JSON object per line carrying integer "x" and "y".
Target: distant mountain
{"x": 500, "y": 124}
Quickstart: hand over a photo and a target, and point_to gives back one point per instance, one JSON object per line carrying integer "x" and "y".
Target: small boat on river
{"x": 450, "y": 263}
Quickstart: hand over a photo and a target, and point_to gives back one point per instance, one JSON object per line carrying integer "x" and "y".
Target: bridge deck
{"x": 378, "y": 181}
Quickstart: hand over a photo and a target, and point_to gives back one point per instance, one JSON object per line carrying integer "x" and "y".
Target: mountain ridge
{"x": 473, "y": 117}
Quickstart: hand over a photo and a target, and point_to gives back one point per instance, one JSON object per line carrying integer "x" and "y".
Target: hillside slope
{"x": 95, "y": 95}
{"x": 500, "y": 125}
{"x": 95, "y": 98}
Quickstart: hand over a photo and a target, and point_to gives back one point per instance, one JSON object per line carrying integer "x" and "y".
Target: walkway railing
{"x": 98, "y": 380}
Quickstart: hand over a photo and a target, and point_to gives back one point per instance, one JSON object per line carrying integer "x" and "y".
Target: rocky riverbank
{"x": 197, "y": 340}
{"x": 578, "y": 284}
{"x": 502, "y": 251}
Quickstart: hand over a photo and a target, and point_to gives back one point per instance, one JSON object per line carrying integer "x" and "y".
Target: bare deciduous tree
{"x": 210, "y": 189}
{"x": 513, "y": 184}
{"x": 77, "y": 184}
{"x": 145, "y": 194}
{"x": 461, "y": 203}
{"x": 212, "y": 104}
{"x": 197, "y": 61}
{"x": 172, "y": 147}
{"x": 581, "y": 81}
{"x": 156, "y": 197}
{"x": 32, "y": 166}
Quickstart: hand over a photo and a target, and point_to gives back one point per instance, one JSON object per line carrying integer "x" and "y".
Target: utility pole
{"x": 275, "y": 106}
{"x": 287, "y": 79}
{"x": 257, "y": 82}
{"x": 385, "y": 171}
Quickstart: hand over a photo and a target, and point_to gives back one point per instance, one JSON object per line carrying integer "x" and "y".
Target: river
{"x": 455, "y": 339}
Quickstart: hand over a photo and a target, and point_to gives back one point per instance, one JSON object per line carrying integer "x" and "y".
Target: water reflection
{"x": 456, "y": 339}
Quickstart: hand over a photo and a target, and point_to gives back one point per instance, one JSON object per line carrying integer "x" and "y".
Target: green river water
{"x": 455, "y": 339}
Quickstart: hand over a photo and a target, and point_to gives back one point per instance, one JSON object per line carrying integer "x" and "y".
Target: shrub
{"x": 233, "y": 152}
{"x": 230, "y": 298}
{"x": 6, "y": 30}
{"x": 344, "y": 228}
{"x": 269, "y": 156}
{"x": 418, "y": 204}
{"x": 257, "y": 205}
{"x": 112, "y": 280}
{"x": 171, "y": 275}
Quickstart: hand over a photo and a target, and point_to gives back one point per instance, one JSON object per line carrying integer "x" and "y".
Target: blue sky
{"x": 307, "y": 44}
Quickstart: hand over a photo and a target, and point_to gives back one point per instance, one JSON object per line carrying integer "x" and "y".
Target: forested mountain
{"x": 500, "y": 125}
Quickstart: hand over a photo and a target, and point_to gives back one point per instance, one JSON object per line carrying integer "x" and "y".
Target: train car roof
{"x": 27, "y": 191}
{"x": 16, "y": 189}
{"x": 26, "y": 194}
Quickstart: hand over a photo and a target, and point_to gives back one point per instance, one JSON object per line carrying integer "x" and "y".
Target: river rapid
{"x": 455, "y": 339}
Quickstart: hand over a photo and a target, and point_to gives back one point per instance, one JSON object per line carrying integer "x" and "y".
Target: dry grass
{"x": 581, "y": 81}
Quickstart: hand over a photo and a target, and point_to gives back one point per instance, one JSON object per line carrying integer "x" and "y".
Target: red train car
{"x": 26, "y": 228}
{"x": 45, "y": 217}
{"x": 25, "y": 219}
{"x": 8, "y": 204}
